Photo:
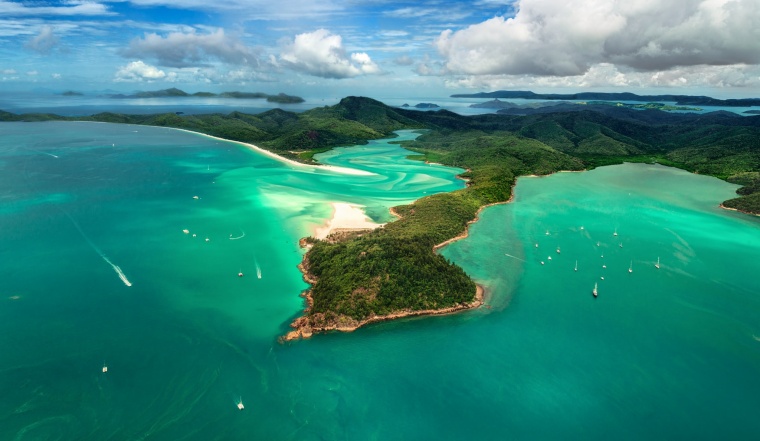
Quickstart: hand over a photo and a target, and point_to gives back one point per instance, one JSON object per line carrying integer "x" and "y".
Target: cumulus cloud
{"x": 190, "y": 49}
{"x": 605, "y": 75}
{"x": 8, "y": 71}
{"x": 321, "y": 54}
{"x": 137, "y": 71}
{"x": 43, "y": 42}
{"x": 568, "y": 37}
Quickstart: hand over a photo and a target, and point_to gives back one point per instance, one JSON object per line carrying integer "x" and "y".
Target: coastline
{"x": 738, "y": 211}
{"x": 304, "y": 327}
{"x": 333, "y": 168}
{"x": 345, "y": 217}
{"x": 466, "y": 231}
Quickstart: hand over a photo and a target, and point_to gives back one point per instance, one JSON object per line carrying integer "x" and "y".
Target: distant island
{"x": 177, "y": 93}
{"x": 72, "y": 93}
{"x": 656, "y": 106}
{"x": 494, "y": 104}
{"x": 752, "y": 112}
{"x": 681, "y": 100}
{"x": 501, "y": 105}
{"x": 423, "y": 106}
{"x": 361, "y": 277}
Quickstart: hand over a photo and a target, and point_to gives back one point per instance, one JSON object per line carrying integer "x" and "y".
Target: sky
{"x": 382, "y": 47}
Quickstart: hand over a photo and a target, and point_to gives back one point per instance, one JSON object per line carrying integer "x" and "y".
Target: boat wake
{"x": 755, "y": 337}
{"x": 44, "y": 153}
{"x": 238, "y": 237}
{"x": 514, "y": 257}
{"x": 258, "y": 269}
{"x": 118, "y": 270}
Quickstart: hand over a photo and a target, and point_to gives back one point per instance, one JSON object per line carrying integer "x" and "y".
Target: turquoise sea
{"x": 95, "y": 269}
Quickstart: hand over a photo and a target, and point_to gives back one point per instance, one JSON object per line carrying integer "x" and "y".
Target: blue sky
{"x": 382, "y": 47}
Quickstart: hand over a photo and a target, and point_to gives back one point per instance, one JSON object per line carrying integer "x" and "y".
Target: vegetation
{"x": 655, "y": 106}
{"x": 174, "y": 93}
{"x": 624, "y": 96}
{"x": 394, "y": 268}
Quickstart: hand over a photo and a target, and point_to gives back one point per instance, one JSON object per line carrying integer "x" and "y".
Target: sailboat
{"x": 576, "y": 265}
{"x": 630, "y": 268}
{"x": 240, "y": 274}
{"x": 657, "y": 265}
{"x": 594, "y": 292}
{"x": 557, "y": 250}
{"x": 105, "y": 367}
{"x": 240, "y": 404}
{"x": 615, "y": 233}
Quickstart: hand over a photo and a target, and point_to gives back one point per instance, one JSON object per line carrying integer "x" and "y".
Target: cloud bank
{"x": 568, "y": 37}
{"x": 190, "y": 49}
{"x": 321, "y": 54}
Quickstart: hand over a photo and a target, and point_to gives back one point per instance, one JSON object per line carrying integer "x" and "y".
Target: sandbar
{"x": 345, "y": 217}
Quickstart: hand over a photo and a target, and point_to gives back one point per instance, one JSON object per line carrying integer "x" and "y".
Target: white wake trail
{"x": 514, "y": 257}
{"x": 118, "y": 270}
{"x": 238, "y": 237}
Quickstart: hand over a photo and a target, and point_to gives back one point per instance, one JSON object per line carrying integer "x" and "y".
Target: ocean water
{"x": 88, "y": 209}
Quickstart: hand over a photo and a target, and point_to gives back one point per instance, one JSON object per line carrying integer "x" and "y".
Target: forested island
{"x": 681, "y": 100}
{"x": 177, "y": 93}
{"x": 394, "y": 271}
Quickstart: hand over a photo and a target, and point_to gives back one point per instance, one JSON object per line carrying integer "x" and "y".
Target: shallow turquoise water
{"x": 667, "y": 353}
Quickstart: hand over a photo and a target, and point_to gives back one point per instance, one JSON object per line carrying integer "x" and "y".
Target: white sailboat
{"x": 105, "y": 367}
{"x": 630, "y": 268}
{"x": 240, "y": 404}
{"x": 576, "y": 265}
{"x": 615, "y": 233}
{"x": 657, "y": 265}
{"x": 557, "y": 250}
{"x": 595, "y": 292}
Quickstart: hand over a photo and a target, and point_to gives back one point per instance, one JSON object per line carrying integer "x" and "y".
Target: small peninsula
{"x": 364, "y": 276}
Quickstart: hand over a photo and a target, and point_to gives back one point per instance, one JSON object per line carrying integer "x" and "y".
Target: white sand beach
{"x": 333, "y": 168}
{"x": 345, "y": 216}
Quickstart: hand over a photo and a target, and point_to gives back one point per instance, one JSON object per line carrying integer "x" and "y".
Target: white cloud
{"x": 32, "y": 73}
{"x": 56, "y": 76}
{"x": 138, "y": 71}
{"x": 8, "y": 72}
{"x": 605, "y": 75}
{"x": 43, "y": 42}
{"x": 321, "y": 54}
{"x": 70, "y": 8}
{"x": 189, "y": 49}
{"x": 256, "y": 9}
{"x": 568, "y": 37}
